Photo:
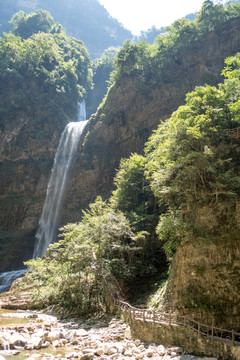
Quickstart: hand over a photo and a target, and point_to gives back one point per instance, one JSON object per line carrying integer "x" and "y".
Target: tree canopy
{"x": 59, "y": 64}
{"x": 85, "y": 20}
{"x": 26, "y": 25}
{"x": 150, "y": 61}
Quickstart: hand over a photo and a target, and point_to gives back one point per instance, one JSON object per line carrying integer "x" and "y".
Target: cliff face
{"x": 205, "y": 274}
{"x": 132, "y": 110}
{"x": 28, "y": 142}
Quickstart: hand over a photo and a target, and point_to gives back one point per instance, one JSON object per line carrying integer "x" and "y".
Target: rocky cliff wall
{"x": 28, "y": 141}
{"x": 133, "y": 109}
{"x": 204, "y": 281}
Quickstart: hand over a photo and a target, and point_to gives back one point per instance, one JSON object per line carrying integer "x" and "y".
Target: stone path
{"x": 95, "y": 339}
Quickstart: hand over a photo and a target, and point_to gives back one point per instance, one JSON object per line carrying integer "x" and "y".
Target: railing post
{"x": 184, "y": 321}
{"x": 212, "y": 332}
{"x": 212, "y": 329}
{"x": 154, "y": 317}
{"x": 123, "y": 310}
{"x": 143, "y": 315}
{"x": 232, "y": 337}
{"x": 198, "y": 330}
{"x": 133, "y": 314}
{"x": 170, "y": 319}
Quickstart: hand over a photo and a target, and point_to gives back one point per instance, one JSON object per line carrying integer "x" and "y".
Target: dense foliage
{"x": 73, "y": 272}
{"x": 26, "y": 25}
{"x": 148, "y": 35}
{"x": 133, "y": 195}
{"x": 150, "y": 62}
{"x": 192, "y": 160}
{"x": 85, "y": 20}
{"x": 45, "y": 64}
{"x": 102, "y": 67}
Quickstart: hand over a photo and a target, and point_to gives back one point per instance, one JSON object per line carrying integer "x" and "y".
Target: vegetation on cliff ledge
{"x": 150, "y": 63}
{"x": 43, "y": 64}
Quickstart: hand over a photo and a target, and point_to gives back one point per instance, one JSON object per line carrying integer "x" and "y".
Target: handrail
{"x": 169, "y": 319}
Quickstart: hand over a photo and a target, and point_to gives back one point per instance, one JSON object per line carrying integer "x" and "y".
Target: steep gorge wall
{"x": 133, "y": 109}
{"x": 121, "y": 126}
{"x": 28, "y": 141}
{"x": 204, "y": 281}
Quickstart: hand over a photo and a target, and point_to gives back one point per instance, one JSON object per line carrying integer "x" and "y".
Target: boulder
{"x": 89, "y": 356}
{"x": 53, "y": 335}
{"x": 18, "y": 340}
{"x": 81, "y": 332}
{"x": 34, "y": 343}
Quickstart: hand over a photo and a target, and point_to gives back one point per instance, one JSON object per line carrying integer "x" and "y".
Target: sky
{"x": 137, "y": 15}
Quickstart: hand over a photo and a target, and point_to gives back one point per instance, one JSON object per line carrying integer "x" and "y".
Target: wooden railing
{"x": 150, "y": 315}
{"x": 169, "y": 319}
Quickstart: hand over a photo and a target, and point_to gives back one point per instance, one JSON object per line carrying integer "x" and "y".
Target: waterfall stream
{"x": 82, "y": 115}
{"x": 50, "y": 217}
{"x": 49, "y": 221}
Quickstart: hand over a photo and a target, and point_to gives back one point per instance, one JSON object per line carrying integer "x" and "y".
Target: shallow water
{"x": 37, "y": 354}
{"x": 11, "y": 318}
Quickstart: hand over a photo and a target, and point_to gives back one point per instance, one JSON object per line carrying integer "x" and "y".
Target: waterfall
{"x": 82, "y": 111}
{"x": 49, "y": 221}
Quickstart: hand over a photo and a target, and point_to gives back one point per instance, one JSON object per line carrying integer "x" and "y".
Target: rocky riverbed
{"x": 32, "y": 335}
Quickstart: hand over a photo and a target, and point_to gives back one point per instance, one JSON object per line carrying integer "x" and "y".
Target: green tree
{"x": 57, "y": 65}
{"x": 132, "y": 58}
{"x": 133, "y": 194}
{"x": 232, "y": 9}
{"x": 210, "y": 17}
{"x": 26, "y": 25}
{"x": 191, "y": 161}
{"x": 73, "y": 272}
{"x": 182, "y": 32}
